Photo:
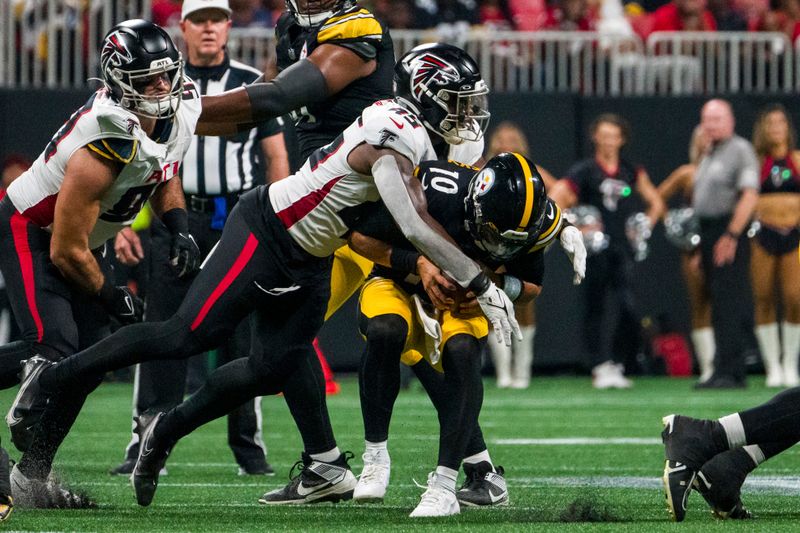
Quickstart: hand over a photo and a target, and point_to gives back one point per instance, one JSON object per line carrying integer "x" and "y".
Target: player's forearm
{"x": 79, "y": 267}
{"x": 530, "y": 291}
{"x": 373, "y": 249}
{"x": 169, "y": 196}
{"x": 743, "y": 211}
{"x": 419, "y": 227}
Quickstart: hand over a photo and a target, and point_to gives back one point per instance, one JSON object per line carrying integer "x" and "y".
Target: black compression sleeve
{"x": 404, "y": 260}
{"x": 297, "y": 86}
{"x": 176, "y": 220}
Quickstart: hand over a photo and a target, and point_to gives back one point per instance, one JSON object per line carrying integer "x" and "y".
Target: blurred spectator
{"x": 726, "y": 16}
{"x": 528, "y": 15}
{"x": 496, "y": 14}
{"x": 570, "y": 15}
{"x": 725, "y": 194}
{"x": 684, "y": 15}
{"x": 611, "y": 184}
{"x": 433, "y": 13}
{"x": 681, "y": 182}
{"x": 251, "y": 14}
{"x": 166, "y": 12}
{"x": 397, "y": 14}
{"x": 13, "y": 166}
{"x": 755, "y": 14}
{"x": 786, "y": 18}
{"x": 774, "y": 262}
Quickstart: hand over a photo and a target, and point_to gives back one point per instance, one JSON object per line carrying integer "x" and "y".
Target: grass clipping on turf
{"x": 588, "y": 508}
{"x": 53, "y": 494}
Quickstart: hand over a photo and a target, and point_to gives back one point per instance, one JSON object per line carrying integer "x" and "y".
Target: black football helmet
{"x": 441, "y": 83}
{"x": 506, "y": 206}
{"x": 134, "y": 52}
{"x": 316, "y": 12}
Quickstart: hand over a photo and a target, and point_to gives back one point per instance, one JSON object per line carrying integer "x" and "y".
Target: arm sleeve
{"x": 444, "y": 254}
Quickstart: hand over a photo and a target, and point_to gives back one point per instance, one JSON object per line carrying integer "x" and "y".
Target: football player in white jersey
{"x": 274, "y": 260}
{"x": 122, "y": 148}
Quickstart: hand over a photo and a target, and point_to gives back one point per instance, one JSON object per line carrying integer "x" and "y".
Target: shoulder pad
{"x": 468, "y": 152}
{"x": 119, "y": 150}
{"x": 552, "y": 226}
{"x": 355, "y": 25}
{"x": 387, "y": 125}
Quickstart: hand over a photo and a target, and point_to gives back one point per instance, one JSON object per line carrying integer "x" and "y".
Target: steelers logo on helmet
{"x": 443, "y": 86}
{"x": 142, "y": 69}
{"x": 483, "y": 181}
{"x": 506, "y": 206}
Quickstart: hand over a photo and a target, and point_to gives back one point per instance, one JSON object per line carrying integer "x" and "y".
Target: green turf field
{"x": 561, "y": 442}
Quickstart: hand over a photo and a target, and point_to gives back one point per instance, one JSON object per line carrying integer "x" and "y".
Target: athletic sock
{"x": 378, "y": 450}
{"x": 327, "y": 457}
{"x": 479, "y": 457}
{"x": 734, "y": 431}
{"x": 446, "y": 478}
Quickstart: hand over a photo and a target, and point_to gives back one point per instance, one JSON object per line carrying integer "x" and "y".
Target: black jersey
{"x": 779, "y": 175}
{"x": 611, "y": 192}
{"x": 358, "y": 31}
{"x": 446, "y": 186}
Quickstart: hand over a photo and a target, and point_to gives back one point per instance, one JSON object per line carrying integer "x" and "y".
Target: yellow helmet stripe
{"x": 526, "y": 214}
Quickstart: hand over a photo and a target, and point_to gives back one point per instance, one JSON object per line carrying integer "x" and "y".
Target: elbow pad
{"x": 299, "y": 85}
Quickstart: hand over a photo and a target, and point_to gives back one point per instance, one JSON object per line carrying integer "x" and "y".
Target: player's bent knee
{"x": 387, "y": 329}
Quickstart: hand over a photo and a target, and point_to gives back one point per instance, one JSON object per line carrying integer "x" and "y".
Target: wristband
{"x": 512, "y": 286}
{"x": 480, "y": 284}
{"x": 106, "y": 292}
{"x": 176, "y": 220}
{"x": 403, "y": 260}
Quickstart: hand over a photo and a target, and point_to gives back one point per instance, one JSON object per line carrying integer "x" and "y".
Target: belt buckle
{"x": 197, "y": 204}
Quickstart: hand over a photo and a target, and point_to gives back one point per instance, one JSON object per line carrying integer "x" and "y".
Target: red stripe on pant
{"x": 244, "y": 257}
{"x": 19, "y": 231}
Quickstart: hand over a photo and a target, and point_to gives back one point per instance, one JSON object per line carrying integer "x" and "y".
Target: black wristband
{"x": 299, "y": 85}
{"x": 404, "y": 260}
{"x": 106, "y": 292}
{"x": 480, "y": 284}
{"x": 176, "y": 220}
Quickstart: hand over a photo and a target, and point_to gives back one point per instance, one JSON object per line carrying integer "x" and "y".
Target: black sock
{"x": 379, "y": 375}
{"x": 777, "y": 420}
{"x": 11, "y": 357}
{"x": 304, "y": 392}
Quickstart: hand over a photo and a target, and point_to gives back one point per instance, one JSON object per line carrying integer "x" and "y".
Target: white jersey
{"x": 115, "y": 133}
{"x": 314, "y": 203}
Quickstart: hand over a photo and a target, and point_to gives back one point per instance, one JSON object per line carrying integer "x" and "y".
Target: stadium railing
{"x": 54, "y": 43}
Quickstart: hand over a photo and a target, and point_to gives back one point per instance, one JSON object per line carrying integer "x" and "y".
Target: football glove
{"x": 499, "y": 310}
{"x": 121, "y": 303}
{"x": 572, "y": 243}
{"x": 184, "y": 256}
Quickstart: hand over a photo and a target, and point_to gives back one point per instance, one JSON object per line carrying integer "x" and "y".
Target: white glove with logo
{"x": 499, "y": 310}
{"x": 572, "y": 243}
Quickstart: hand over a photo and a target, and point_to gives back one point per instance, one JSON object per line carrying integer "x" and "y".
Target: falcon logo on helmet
{"x": 114, "y": 52}
{"x": 430, "y": 68}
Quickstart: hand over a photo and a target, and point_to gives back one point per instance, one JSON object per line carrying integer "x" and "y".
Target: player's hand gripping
{"x": 184, "y": 256}
{"x": 121, "y": 303}
{"x": 499, "y": 310}
{"x": 572, "y": 242}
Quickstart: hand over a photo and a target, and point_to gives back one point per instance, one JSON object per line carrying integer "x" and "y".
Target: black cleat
{"x": 720, "y": 482}
{"x": 125, "y": 468}
{"x": 688, "y": 444}
{"x": 484, "y": 486}
{"x": 316, "y": 482}
{"x": 29, "y": 404}
{"x": 257, "y": 469}
{"x": 152, "y": 458}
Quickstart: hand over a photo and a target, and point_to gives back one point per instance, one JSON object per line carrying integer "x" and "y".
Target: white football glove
{"x": 572, "y": 243}
{"x": 499, "y": 310}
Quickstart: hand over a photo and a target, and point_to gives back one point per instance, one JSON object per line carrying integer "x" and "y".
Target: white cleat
{"x": 436, "y": 501}
{"x": 374, "y": 478}
{"x": 609, "y": 375}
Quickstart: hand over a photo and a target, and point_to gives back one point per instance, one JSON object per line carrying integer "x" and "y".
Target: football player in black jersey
{"x": 499, "y": 215}
{"x": 613, "y": 185}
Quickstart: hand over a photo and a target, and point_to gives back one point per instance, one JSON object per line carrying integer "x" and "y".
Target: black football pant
{"x": 55, "y": 318}
{"x": 241, "y": 277}
{"x": 457, "y": 394}
{"x": 161, "y": 385}
{"x": 731, "y": 300}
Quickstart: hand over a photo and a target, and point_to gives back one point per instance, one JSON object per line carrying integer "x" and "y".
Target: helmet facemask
{"x": 132, "y": 84}
{"x": 467, "y": 114}
{"x": 316, "y": 11}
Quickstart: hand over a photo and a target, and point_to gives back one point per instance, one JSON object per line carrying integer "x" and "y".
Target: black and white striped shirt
{"x": 222, "y": 165}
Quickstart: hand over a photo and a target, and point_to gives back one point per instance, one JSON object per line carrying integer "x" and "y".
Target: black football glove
{"x": 121, "y": 303}
{"x": 184, "y": 256}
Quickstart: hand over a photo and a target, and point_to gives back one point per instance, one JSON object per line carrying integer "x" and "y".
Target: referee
{"x": 215, "y": 172}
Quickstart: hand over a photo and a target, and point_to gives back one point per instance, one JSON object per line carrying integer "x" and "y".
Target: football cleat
{"x": 719, "y": 482}
{"x": 44, "y": 494}
{"x": 315, "y": 482}
{"x": 6, "y": 506}
{"x": 29, "y": 404}
{"x": 688, "y": 443}
{"x": 374, "y": 478}
{"x": 152, "y": 458}
{"x": 256, "y": 469}
{"x": 484, "y": 486}
{"x": 436, "y": 501}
